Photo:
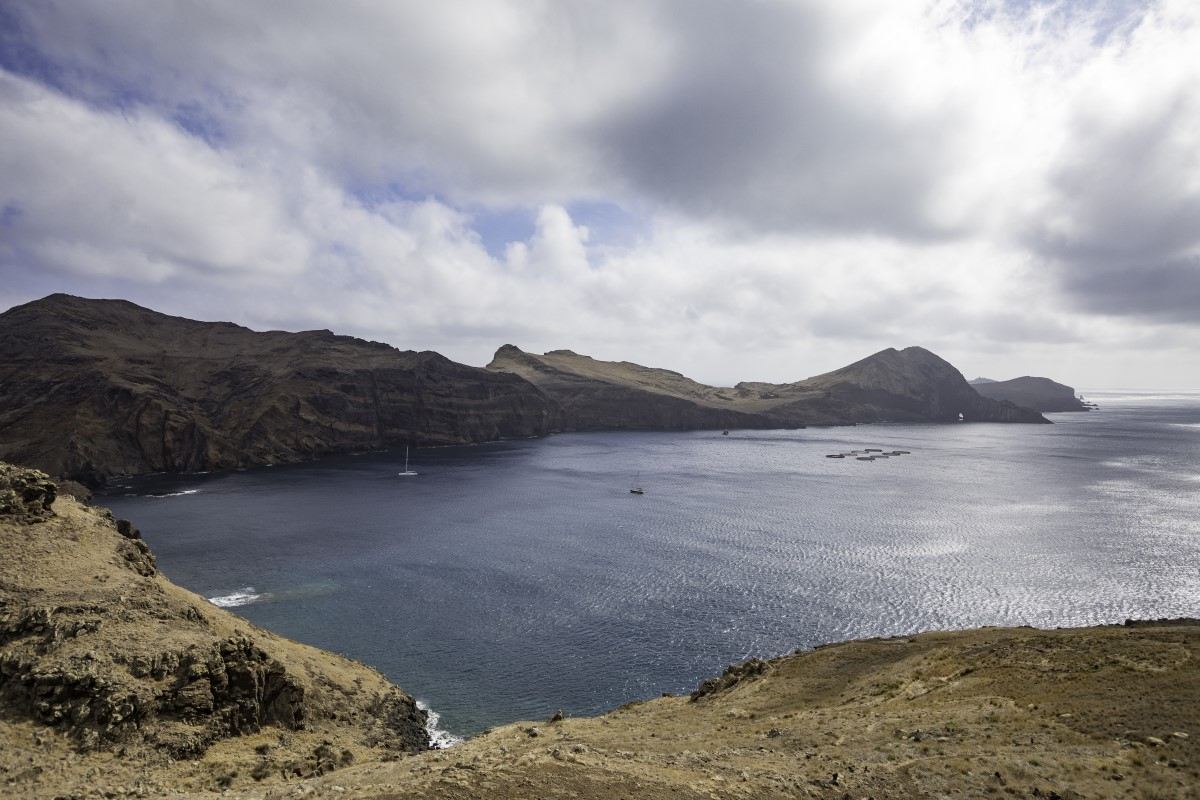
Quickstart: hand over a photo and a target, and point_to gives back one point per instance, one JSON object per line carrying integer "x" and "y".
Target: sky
{"x": 750, "y": 190}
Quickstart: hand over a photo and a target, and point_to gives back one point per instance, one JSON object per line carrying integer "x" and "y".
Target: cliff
{"x": 92, "y": 388}
{"x": 1040, "y": 394}
{"x": 911, "y": 385}
{"x": 106, "y": 666}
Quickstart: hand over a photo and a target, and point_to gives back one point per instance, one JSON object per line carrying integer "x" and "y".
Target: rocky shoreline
{"x": 105, "y": 662}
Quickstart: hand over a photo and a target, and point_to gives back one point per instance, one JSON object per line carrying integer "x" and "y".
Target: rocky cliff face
{"x": 91, "y": 388}
{"x": 99, "y": 647}
{"x": 1040, "y": 394}
{"x": 911, "y": 385}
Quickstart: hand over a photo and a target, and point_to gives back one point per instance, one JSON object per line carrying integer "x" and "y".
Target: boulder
{"x": 26, "y": 495}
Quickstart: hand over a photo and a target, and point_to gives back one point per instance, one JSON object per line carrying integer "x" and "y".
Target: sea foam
{"x": 439, "y": 738}
{"x": 242, "y": 597}
{"x": 174, "y": 494}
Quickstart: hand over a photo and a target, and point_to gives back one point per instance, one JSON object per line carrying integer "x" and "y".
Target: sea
{"x": 509, "y": 580}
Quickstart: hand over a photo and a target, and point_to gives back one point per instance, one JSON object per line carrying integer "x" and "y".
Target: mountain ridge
{"x": 909, "y": 385}
{"x": 90, "y": 389}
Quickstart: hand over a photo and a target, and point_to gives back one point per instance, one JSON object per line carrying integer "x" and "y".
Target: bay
{"x": 509, "y": 580}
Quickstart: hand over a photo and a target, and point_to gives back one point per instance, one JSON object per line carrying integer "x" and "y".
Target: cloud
{"x": 801, "y": 180}
{"x": 105, "y": 193}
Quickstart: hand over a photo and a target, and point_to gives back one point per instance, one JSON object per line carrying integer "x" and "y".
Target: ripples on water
{"x": 509, "y": 580}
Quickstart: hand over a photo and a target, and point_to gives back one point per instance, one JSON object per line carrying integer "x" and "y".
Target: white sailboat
{"x": 407, "y": 471}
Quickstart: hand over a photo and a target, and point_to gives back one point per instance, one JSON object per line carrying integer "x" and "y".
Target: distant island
{"x": 1040, "y": 394}
{"x": 96, "y": 388}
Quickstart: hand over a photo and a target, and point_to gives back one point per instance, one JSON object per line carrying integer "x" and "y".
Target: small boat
{"x": 836, "y": 455}
{"x": 866, "y": 458}
{"x": 637, "y": 490}
{"x": 872, "y": 450}
{"x": 407, "y": 472}
{"x": 724, "y": 433}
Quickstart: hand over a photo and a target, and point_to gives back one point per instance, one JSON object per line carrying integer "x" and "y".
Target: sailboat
{"x": 407, "y": 471}
{"x": 637, "y": 489}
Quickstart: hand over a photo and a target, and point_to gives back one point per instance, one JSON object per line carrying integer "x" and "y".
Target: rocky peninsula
{"x": 909, "y": 385}
{"x": 116, "y": 683}
{"x": 95, "y": 388}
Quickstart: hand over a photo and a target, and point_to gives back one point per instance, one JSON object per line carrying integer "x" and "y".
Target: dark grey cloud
{"x": 1121, "y": 222}
{"x": 1165, "y": 291}
{"x": 747, "y": 124}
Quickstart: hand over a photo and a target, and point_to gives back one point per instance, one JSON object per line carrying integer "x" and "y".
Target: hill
{"x": 1040, "y": 394}
{"x": 910, "y": 385}
{"x": 107, "y": 666}
{"x": 93, "y": 388}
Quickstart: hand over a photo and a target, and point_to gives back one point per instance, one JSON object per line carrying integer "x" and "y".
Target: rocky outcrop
{"x": 910, "y": 385}
{"x": 93, "y": 388}
{"x": 1039, "y": 394}
{"x": 26, "y": 495}
{"x": 97, "y": 645}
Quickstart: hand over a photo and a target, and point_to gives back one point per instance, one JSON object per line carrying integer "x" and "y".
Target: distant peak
{"x": 571, "y": 353}
{"x": 509, "y": 350}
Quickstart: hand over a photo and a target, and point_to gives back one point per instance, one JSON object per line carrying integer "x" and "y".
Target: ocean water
{"x": 509, "y": 580}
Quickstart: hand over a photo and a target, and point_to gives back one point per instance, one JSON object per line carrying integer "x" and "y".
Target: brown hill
{"x": 1040, "y": 394}
{"x": 910, "y": 385}
{"x": 92, "y": 388}
{"x": 607, "y": 395}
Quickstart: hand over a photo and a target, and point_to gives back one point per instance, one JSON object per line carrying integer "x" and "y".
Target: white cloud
{"x": 1002, "y": 182}
{"x": 105, "y": 193}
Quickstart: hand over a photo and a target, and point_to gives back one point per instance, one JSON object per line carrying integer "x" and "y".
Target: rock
{"x": 1154, "y": 741}
{"x": 732, "y": 675}
{"x": 558, "y": 716}
{"x": 74, "y": 489}
{"x": 126, "y": 529}
{"x": 26, "y": 495}
{"x": 1179, "y": 735}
